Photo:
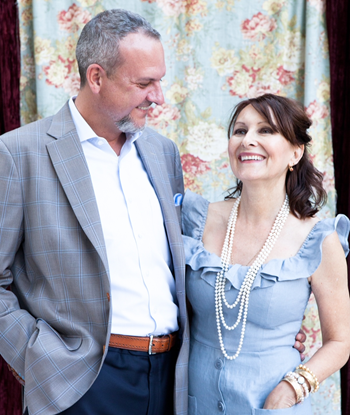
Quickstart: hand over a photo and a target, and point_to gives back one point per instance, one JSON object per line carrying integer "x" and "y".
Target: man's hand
{"x": 299, "y": 343}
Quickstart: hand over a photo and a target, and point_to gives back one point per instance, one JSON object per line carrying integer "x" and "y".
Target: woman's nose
{"x": 249, "y": 139}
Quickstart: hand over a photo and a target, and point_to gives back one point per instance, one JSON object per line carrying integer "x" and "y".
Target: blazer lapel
{"x": 69, "y": 162}
{"x": 158, "y": 175}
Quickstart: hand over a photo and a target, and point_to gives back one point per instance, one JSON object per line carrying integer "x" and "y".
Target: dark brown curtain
{"x": 10, "y": 389}
{"x": 338, "y": 23}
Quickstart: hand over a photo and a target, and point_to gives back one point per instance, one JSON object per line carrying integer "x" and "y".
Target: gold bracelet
{"x": 314, "y": 383}
{"x": 302, "y": 382}
{"x": 299, "y": 392}
{"x": 309, "y": 378}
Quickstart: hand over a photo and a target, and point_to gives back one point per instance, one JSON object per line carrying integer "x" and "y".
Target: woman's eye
{"x": 266, "y": 131}
{"x": 239, "y": 131}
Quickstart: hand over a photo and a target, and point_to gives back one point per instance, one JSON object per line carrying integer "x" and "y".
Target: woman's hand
{"x": 283, "y": 396}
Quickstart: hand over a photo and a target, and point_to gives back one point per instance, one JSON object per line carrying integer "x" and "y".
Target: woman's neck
{"x": 259, "y": 204}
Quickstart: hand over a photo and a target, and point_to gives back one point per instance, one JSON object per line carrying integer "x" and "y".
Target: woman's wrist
{"x": 303, "y": 381}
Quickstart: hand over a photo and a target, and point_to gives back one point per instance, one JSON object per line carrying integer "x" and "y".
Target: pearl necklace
{"x": 244, "y": 292}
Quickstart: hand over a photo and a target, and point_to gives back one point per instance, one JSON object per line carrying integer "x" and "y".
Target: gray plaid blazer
{"x": 55, "y": 322}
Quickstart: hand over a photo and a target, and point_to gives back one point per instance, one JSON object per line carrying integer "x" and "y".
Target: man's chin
{"x": 129, "y": 126}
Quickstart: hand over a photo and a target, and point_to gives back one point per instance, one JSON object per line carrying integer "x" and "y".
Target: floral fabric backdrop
{"x": 217, "y": 53}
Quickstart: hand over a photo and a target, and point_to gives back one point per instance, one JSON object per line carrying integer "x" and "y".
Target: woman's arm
{"x": 329, "y": 285}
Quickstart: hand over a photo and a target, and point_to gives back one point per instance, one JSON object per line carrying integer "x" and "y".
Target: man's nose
{"x": 156, "y": 94}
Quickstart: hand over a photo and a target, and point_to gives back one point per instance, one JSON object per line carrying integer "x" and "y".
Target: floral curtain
{"x": 217, "y": 53}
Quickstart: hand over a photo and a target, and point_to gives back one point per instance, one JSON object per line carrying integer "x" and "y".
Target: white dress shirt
{"x": 142, "y": 285}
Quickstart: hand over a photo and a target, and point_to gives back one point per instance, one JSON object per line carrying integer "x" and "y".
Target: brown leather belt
{"x": 152, "y": 344}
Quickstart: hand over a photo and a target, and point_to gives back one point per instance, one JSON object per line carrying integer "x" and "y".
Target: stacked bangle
{"x": 301, "y": 379}
{"x": 297, "y": 388}
{"x": 302, "y": 382}
{"x": 309, "y": 376}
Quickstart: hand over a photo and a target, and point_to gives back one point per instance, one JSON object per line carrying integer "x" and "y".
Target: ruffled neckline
{"x": 302, "y": 265}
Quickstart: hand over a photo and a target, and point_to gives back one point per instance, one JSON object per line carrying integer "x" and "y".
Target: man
{"x": 91, "y": 241}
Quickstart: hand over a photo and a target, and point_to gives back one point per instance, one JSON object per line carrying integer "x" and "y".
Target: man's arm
{"x": 300, "y": 339}
{"x": 16, "y": 325}
{"x": 178, "y": 172}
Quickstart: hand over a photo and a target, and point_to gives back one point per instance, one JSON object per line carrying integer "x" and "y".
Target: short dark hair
{"x": 304, "y": 184}
{"x": 100, "y": 38}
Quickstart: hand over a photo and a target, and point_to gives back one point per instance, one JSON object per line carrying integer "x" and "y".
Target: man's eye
{"x": 144, "y": 85}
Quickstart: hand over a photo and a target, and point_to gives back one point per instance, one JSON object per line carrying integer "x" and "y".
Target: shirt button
{"x": 221, "y": 406}
{"x": 219, "y": 364}
{"x": 100, "y": 142}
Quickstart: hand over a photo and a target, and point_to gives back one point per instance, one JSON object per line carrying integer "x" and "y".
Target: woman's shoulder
{"x": 339, "y": 224}
{"x": 218, "y": 214}
{"x": 311, "y": 250}
{"x": 194, "y": 214}
{"x": 314, "y": 230}
{"x": 308, "y": 258}
{"x": 198, "y": 213}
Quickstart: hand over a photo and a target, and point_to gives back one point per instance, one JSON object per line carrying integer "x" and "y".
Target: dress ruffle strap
{"x": 302, "y": 265}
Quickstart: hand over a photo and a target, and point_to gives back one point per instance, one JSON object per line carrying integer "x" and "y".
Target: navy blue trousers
{"x": 131, "y": 383}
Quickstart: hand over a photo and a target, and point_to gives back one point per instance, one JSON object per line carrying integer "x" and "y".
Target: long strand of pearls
{"x": 244, "y": 292}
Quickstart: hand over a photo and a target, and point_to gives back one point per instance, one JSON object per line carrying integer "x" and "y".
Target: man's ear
{"x": 94, "y": 76}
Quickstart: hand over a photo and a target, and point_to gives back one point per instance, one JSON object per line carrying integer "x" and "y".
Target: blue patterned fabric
{"x": 53, "y": 331}
{"x": 278, "y": 300}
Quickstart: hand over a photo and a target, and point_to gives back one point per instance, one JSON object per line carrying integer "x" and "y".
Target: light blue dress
{"x": 277, "y": 303}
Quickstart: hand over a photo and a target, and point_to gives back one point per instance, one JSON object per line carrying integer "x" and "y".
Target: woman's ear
{"x": 297, "y": 154}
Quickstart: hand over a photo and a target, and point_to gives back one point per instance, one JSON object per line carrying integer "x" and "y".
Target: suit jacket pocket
{"x": 71, "y": 343}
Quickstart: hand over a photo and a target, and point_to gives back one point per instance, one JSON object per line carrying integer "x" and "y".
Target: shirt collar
{"x": 85, "y": 132}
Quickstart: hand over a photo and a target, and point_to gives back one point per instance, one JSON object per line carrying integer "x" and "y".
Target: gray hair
{"x": 100, "y": 38}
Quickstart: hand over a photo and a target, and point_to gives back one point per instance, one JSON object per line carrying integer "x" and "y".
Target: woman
{"x": 252, "y": 261}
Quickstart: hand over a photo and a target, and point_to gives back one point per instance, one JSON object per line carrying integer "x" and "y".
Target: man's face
{"x": 127, "y": 95}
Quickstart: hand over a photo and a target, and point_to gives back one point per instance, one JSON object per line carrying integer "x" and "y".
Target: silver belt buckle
{"x": 150, "y": 344}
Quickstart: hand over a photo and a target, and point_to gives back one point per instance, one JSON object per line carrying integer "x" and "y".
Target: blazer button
{"x": 108, "y": 297}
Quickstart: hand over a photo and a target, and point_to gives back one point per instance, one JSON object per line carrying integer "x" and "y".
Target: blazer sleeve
{"x": 178, "y": 172}
{"x": 16, "y": 325}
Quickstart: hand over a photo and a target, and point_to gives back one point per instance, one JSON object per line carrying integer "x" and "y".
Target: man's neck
{"x": 85, "y": 105}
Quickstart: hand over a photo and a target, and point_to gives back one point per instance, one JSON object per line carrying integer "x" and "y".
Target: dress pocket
{"x": 192, "y": 405}
{"x": 293, "y": 410}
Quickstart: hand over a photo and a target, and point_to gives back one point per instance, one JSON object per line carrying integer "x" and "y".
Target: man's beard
{"x": 127, "y": 125}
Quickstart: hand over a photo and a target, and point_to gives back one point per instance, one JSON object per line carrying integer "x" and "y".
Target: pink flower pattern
{"x": 73, "y": 19}
{"x": 162, "y": 115}
{"x": 285, "y": 77}
{"x": 257, "y": 27}
{"x": 193, "y": 165}
{"x": 316, "y": 111}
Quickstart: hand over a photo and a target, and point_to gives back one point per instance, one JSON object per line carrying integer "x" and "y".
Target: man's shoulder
{"x": 27, "y": 128}
{"x": 157, "y": 139}
{"x": 35, "y": 130}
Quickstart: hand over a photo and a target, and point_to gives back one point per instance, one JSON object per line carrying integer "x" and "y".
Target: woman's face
{"x": 256, "y": 152}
